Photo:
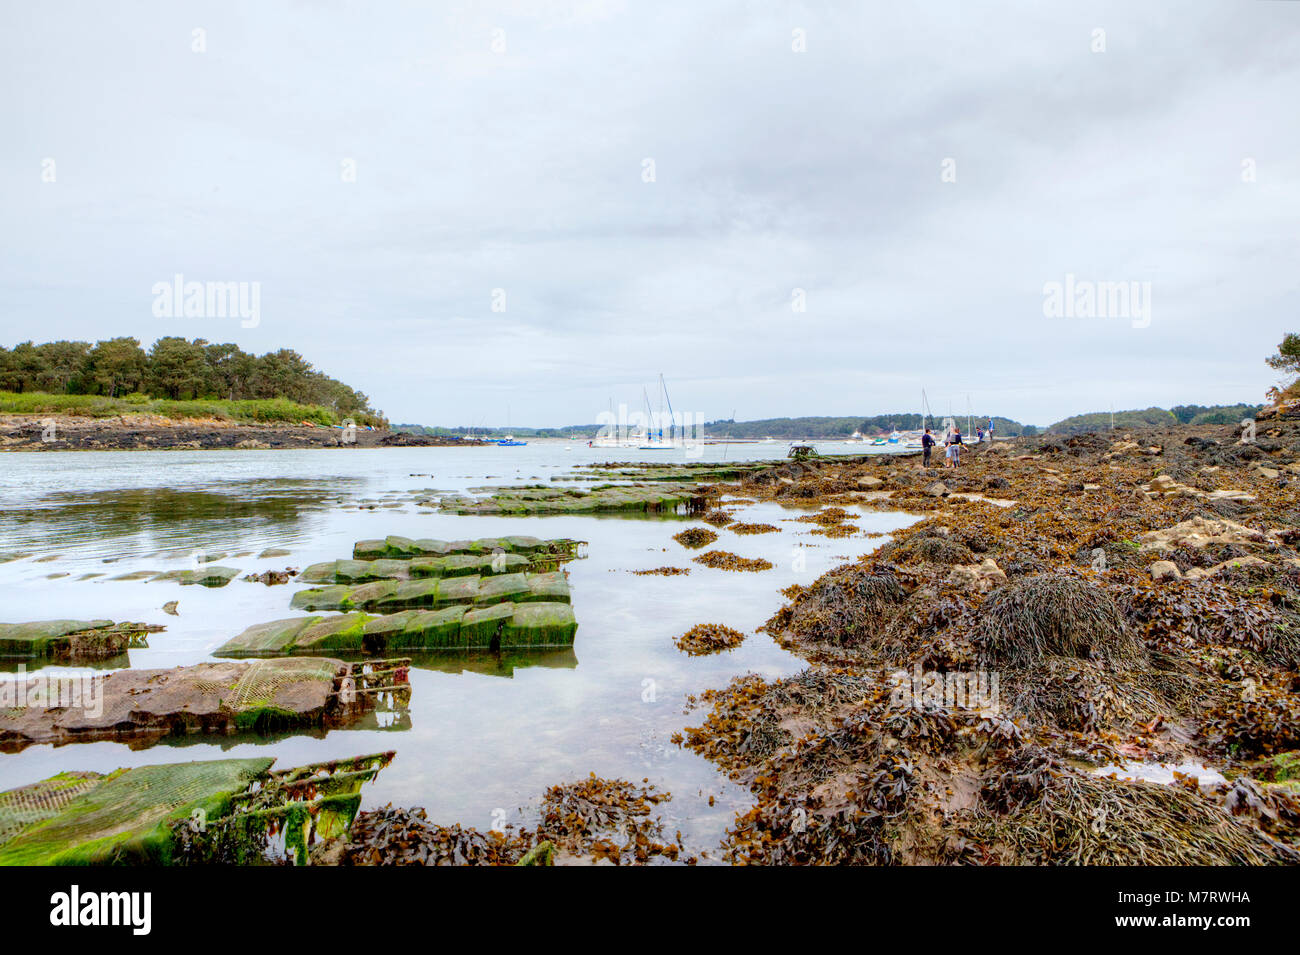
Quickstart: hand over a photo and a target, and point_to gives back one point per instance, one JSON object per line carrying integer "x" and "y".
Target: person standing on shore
{"x": 927, "y": 442}
{"x": 953, "y": 443}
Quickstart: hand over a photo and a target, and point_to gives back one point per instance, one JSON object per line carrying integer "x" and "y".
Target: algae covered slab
{"x": 481, "y": 627}
{"x": 540, "y": 625}
{"x": 204, "y": 576}
{"x": 229, "y": 811}
{"x": 273, "y": 637}
{"x": 508, "y": 587}
{"x": 126, "y": 818}
{"x": 405, "y": 548}
{"x": 662, "y": 498}
{"x": 70, "y": 639}
{"x": 547, "y": 588}
{"x": 355, "y": 571}
{"x": 534, "y": 620}
{"x": 431, "y": 593}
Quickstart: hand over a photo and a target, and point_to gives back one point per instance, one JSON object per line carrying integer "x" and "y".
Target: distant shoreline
{"x": 38, "y": 433}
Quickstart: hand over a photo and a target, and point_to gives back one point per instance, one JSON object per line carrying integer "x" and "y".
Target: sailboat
{"x": 656, "y": 442}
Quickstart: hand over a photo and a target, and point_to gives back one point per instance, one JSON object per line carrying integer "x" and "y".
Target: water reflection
{"x": 484, "y": 731}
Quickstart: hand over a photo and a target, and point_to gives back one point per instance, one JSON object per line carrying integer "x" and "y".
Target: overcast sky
{"x": 504, "y": 146}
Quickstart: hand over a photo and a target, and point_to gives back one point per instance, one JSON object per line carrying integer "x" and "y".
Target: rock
{"x": 1164, "y": 484}
{"x": 222, "y": 698}
{"x": 1165, "y": 570}
{"x": 539, "y": 619}
{"x": 1200, "y": 573}
{"x": 1228, "y": 495}
{"x": 1199, "y": 532}
{"x": 71, "y": 639}
{"x": 869, "y": 482}
{"x": 170, "y": 607}
{"x": 981, "y": 577}
{"x": 208, "y": 576}
{"x": 937, "y": 489}
{"x": 272, "y": 577}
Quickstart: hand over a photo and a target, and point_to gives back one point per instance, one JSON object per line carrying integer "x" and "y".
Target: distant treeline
{"x": 831, "y": 428}
{"x": 1155, "y": 417}
{"x": 820, "y": 428}
{"x": 828, "y": 428}
{"x": 176, "y": 369}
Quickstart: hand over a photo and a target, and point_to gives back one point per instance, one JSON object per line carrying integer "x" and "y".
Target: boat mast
{"x": 671, "y": 418}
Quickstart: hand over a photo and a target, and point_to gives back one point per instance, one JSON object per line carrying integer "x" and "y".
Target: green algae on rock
{"x": 431, "y": 593}
{"x": 405, "y": 548}
{"x": 504, "y": 625}
{"x": 71, "y": 640}
{"x": 217, "y": 811}
{"x": 666, "y": 499}
{"x": 214, "y": 576}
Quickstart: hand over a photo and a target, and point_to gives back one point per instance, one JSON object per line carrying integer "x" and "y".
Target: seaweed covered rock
{"x": 849, "y": 607}
{"x": 1037, "y": 811}
{"x": 708, "y": 638}
{"x": 694, "y": 538}
{"x": 931, "y": 548}
{"x": 1054, "y": 616}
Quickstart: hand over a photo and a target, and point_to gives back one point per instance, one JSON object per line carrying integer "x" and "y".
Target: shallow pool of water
{"x": 485, "y": 735}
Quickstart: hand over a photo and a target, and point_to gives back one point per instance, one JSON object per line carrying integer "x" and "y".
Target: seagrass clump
{"x": 1054, "y": 616}
{"x": 1041, "y": 813}
{"x": 847, "y": 607}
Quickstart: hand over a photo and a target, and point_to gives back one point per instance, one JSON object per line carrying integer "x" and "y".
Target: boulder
{"x": 1165, "y": 570}
{"x": 1199, "y": 532}
{"x": 1200, "y": 573}
{"x": 981, "y": 577}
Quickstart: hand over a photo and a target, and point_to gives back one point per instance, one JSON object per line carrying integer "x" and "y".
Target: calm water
{"x": 484, "y": 734}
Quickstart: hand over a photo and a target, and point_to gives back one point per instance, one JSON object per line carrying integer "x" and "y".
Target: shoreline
{"x": 39, "y": 433}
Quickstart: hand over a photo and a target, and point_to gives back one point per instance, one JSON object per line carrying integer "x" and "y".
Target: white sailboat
{"x": 655, "y": 441}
